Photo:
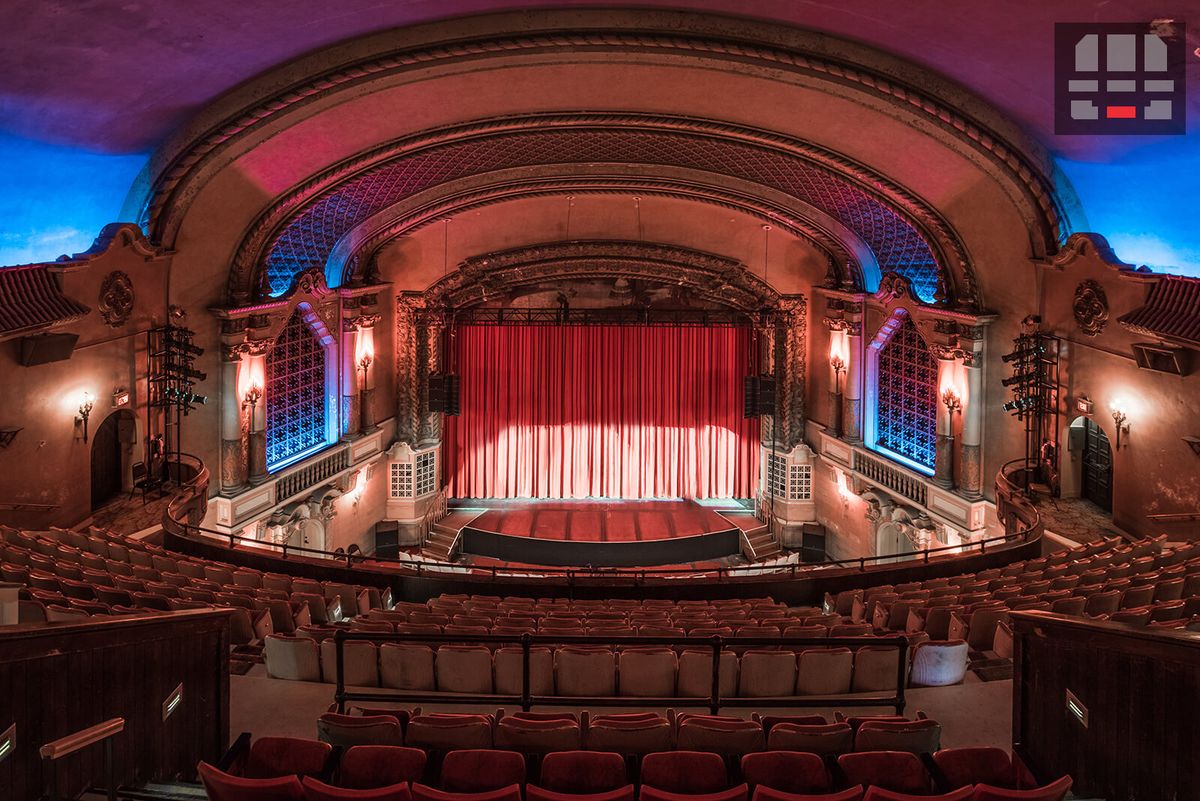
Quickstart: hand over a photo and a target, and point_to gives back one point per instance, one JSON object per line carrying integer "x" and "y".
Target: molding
{"x": 475, "y": 142}
{"x": 1086, "y": 243}
{"x": 740, "y": 44}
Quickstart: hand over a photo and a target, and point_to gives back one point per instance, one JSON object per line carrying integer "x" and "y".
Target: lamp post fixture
{"x": 944, "y": 461}
{"x": 85, "y": 411}
{"x": 835, "y": 414}
{"x": 1118, "y": 415}
{"x": 952, "y": 402}
{"x": 253, "y": 396}
{"x": 839, "y": 366}
{"x": 364, "y": 364}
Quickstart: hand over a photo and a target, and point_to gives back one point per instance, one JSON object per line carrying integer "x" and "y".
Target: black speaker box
{"x": 47, "y": 348}
{"x": 444, "y": 395}
{"x": 758, "y": 395}
{"x": 387, "y": 539}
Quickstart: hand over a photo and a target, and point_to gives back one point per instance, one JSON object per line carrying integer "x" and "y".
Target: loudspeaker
{"x": 443, "y": 394}
{"x": 387, "y": 539}
{"x": 758, "y": 395}
{"x": 47, "y": 348}
{"x": 812, "y": 544}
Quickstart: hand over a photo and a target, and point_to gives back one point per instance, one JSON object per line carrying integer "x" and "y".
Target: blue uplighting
{"x": 54, "y": 200}
{"x": 1144, "y": 203}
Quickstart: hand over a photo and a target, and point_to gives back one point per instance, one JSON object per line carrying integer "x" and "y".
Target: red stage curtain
{"x": 607, "y": 411}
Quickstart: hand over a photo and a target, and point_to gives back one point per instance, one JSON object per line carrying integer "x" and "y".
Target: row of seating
{"x": 632, "y": 671}
{"x": 629, "y": 734}
{"x": 284, "y": 769}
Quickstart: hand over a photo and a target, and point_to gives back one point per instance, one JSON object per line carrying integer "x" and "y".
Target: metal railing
{"x": 889, "y": 475}
{"x": 714, "y": 701}
{"x": 55, "y": 750}
{"x": 186, "y": 510}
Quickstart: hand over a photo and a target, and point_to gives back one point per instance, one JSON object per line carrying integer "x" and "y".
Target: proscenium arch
{"x": 907, "y": 235}
{"x": 850, "y": 262}
{"x": 868, "y": 76}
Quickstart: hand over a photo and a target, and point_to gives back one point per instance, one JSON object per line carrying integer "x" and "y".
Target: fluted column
{"x": 233, "y": 451}
{"x": 972, "y": 431}
{"x": 257, "y": 434}
{"x": 350, "y": 379}
{"x": 852, "y": 388}
{"x": 366, "y": 366}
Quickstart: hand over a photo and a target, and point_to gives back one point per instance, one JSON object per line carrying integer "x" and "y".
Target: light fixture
{"x": 951, "y": 400}
{"x": 253, "y": 396}
{"x": 839, "y": 366}
{"x": 85, "y": 411}
{"x": 1119, "y": 417}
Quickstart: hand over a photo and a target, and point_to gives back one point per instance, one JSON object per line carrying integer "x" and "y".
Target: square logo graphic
{"x": 1119, "y": 78}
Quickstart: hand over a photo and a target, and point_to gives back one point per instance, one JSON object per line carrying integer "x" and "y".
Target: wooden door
{"x": 1097, "y": 466}
{"x": 106, "y": 461}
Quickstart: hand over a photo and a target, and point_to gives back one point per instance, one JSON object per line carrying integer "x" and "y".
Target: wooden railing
{"x": 1014, "y": 508}
{"x": 437, "y": 510}
{"x": 889, "y": 475}
{"x": 55, "y": 750}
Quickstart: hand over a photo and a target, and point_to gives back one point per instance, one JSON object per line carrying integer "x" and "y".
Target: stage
{"x": 602, "y": 533}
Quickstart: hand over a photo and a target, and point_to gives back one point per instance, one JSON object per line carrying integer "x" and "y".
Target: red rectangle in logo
{"x": 1120, "y": 112}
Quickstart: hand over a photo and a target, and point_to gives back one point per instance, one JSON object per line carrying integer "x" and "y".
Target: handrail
{"x": 1174, "y": 517}
{"x": 714, "y": 701}
{"x": 186, "y": 510}
{"x": 54, "y": 750}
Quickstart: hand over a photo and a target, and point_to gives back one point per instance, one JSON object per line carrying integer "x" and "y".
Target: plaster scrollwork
{"x": 1090, "y": 307}
{"x": 116, "y": 299}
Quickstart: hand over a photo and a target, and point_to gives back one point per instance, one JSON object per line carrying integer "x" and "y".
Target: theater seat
{"x": 315, "y": 790}
{"x": 1055, "y": 791}
{"x": 272, "y": 757}
{"x": 684, "y": 772}
{"x": 767, "y": 794}
{"x": 648, "y": 672}
{"x": 351, "y": 730}
{"x": 464, "y": 669}
{"x": 585, "y": 671}
{"x": 582, "y": 772}
{"x": 898, "y": 771}
{"x": 825, "y": 738}
{"x": 420, "y": 792}
{"x": 695, "y": 674}
{"x": 976, "y": 765}
{"x": 916, "y": 736}
{"x": 360, "y": 660}
{"x": 767, "y": 674}
{"x": 880, "y": 794}
{"x": 368, "y": 766}
{"x": 720, "y": 736}
{"x": 535, "y": 793}
{"x": 221, "y": 786}
{"x": 507, "y": 664}
{"x": 875, "y": 669}
{"x": 527, "y": 736}
{"x": 482, "y": 771}
{"x": 824, "y": 671}
{"x": 739, "y": 793}
{"x": 404, "y": 666}
{"x": 294, "y": 658}
{"x": 789, "y": 771}
{"x": 449, "y": 732}
{"x": 630, "y": 734}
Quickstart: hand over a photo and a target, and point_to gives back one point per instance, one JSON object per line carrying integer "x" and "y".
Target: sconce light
{"x": 253, "y": 396}
{"x": 85, "y": 411}
{"x": 951, "y": 400}
{"x": 364, "y": 362}
{"x": 1119, "y": 418}
{"x": 839, "y": 366}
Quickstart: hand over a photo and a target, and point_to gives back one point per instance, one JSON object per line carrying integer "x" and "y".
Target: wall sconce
{"x": 1119, "y": 418}
{"x": 85, "y": 411}
{"x": 839, "y": 366}
{"x": 951, "y": 400}
{"x": 253, "y": 396}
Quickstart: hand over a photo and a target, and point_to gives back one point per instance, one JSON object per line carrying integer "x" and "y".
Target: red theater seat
{"x": 880, "y": 794}
{"x": 582, "y": 772}
{"x": 789, "y": 771}
{"x": 271, "y": 757}
{"x": 422, "y": 793}
{"x": 764, "y": 793}
{"x": 481, "y": 770}
{"x": 684, "y": 772}
{"x": 320, "y": 791}
{"x": 1055, "y": 791}
{"x": 221, "y": 786}
{"x": 535, "y": 793}
{"x": 897, "y": 771}
{"x": 739, "y": 793}
{"x": 365, "y": 767}
{"x": 976, "y": 765}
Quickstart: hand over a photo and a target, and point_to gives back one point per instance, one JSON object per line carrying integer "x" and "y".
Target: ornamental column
{"x": 366, "y": 365}
{"x": 943, "y": 471}
{"x": 233, "y": 451}
{"x": 972, "y": 432}
{"x": 408, "y": 382}
{"x": 256, "y": 399}
{"x": 350, "y": 396}
{"x": 852, "y": 389}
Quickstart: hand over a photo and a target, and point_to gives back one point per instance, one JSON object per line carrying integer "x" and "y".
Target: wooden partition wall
{"x": 1115, "y": 706}
{"x": 57, "y": 679}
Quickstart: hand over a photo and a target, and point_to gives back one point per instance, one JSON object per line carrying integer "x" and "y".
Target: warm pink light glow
{"x": 953, "y": 383}
{"x": 839, "y": 348}
{"x": 251, "y": 373}
{"x": 365, "y": 345}
{"x": 843, "y": 486}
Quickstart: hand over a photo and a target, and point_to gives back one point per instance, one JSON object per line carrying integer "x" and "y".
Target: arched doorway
{"x": 1095, "y": 481}
{"x": 891, "y": 540}
{"x": 110, "y": 455}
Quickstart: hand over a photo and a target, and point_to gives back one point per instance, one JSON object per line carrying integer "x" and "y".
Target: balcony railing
{"x": 311, "y": 473}
{"x": 891, "y": 476}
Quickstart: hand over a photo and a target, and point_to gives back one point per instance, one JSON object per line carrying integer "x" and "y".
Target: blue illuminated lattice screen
{"x": 906, "y": 405}
{"x": 295, "y": 394}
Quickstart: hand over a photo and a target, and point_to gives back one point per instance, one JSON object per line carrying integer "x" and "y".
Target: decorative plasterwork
{"x": 1090, "y": 307}
{"x": 716, "y": 278}
{"x": 116, "y": 299}
{"x": 1084, "y": 244}
{"x": 905, "y": 234}
{"x": 744, "y": 46}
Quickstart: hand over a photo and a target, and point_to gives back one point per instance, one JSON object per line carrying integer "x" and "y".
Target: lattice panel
{"x": 295, "y": 393}
{"x": 426, "y": 481}
{"x": 308, "y": 237}
{"x": 800, "y": 482}
{"x": 401, "y": 485}
{"x": 777, "y": 476}
{"x": 906, "y": 409}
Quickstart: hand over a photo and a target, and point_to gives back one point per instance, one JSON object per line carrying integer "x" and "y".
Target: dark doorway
{"x": 109, "y": 446}
{"x": 1096, "y": 484}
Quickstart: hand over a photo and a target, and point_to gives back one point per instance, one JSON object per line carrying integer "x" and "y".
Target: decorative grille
{"x": 426, "y": 473}
{"x": 800, "y": 482}
{"x": 777, "y": 476}
{"x": 402, "y": 480}
{"x": 295, "y": 394}
{"x": 906, "y": 407}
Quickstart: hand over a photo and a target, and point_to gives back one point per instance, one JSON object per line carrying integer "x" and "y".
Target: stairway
{"x": 441, "y": 543}
{"x": 762, "y": 544}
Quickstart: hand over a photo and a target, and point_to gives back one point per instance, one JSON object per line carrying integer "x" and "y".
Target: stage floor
{"x": 600, "y": 532}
